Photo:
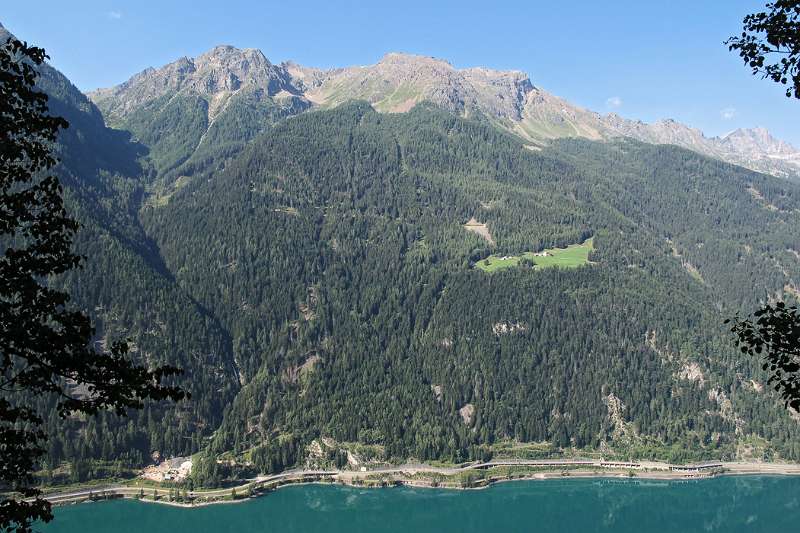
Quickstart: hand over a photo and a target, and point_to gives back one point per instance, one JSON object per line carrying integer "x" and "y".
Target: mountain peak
{"x": 225, "y": 54}
{"x": 758, "y": 139}
{"x": 400, "y": 80}
{"x": 213, "y": 75}
{"x": 226, "y": 68}
{"x": 403, "y": 58}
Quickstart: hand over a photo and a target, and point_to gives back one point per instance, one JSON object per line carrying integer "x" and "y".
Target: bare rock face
{"x": 225, "y": 68}
{"x": 757, "y": 141}
{"x": 755, "y": 148}
{"x": 467, "y": 413}
{"x": 397, "y": 83}
{"x": 304, "y": 78}
{"x": 214, "y": 75}
{"x": 546, "y": 116}
{"x": 500, "y": 94}
{"x": 143, "y": 87}
{"x": 400, "y": 81}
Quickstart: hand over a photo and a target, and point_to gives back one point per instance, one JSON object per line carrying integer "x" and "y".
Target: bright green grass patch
{"x": 572, "y": 256}
{"x": 161, "y": 198}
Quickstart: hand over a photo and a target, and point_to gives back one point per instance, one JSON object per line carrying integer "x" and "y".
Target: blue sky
{"x": 642, "y": 59}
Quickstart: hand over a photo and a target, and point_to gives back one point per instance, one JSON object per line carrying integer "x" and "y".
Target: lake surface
{"x": 730, "y": 504}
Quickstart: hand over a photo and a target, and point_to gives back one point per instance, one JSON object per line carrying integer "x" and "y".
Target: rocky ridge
{"x": 215, "y": 75}
{"x": 400, "y": 81}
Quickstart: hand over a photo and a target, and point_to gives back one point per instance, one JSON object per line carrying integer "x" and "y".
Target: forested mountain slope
{"x": 315, "y": 278}
{"x": 126, "y": 287}
{"x": 333, "y": 250}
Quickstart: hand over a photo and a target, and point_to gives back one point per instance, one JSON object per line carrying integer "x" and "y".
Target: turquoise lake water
{"x": 730, "y": 504}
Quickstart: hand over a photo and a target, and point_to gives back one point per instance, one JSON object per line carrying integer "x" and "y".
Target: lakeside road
{"x": 132, "y": 491}
{"x": 407, "y": 474}
{"x": 762, "y": 468}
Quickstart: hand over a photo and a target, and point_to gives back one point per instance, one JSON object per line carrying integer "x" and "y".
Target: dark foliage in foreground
{"x": 774, "y": 334}
{"x": 45, "y": 346}
{"x": 770, "y": 44}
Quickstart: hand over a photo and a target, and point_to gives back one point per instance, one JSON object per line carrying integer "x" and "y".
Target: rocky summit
{"x": 214, "y": 75}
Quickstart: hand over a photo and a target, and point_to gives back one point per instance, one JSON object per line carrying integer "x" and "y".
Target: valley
{"x": 295, "y": 240}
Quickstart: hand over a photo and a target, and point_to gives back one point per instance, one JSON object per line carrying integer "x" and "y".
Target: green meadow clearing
{"x": 572, "y": 256}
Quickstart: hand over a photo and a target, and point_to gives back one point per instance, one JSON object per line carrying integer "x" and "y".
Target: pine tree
{"x": 43, "y": 342}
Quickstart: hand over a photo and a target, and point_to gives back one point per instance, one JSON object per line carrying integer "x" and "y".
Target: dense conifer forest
{"x": 313, "y": 276}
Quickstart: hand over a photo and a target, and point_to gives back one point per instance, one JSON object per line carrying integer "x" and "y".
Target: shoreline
{"x": 414, "y": 476}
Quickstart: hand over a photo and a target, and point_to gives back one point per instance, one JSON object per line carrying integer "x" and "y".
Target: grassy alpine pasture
{"x": 572, "y": 256}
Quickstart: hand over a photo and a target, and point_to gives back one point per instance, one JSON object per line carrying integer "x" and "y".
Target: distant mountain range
{"x": 225, "y": 75}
